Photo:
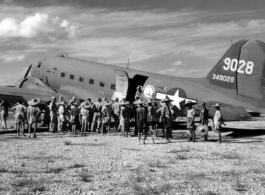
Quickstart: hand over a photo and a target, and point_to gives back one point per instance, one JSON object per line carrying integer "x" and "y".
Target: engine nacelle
{"x": 35, "y": 83}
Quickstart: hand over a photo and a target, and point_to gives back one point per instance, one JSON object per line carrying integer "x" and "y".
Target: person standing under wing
{"x": 97, "y": 107}
{"x": 167, "y": 116}
{"x": 33, "y": 112}
{"x": 19, "y": 115}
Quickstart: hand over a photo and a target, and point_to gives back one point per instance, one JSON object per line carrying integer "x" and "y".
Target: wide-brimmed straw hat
{"x": 217, "y": 105}
{"x": 189, "y": 103}
{"x": 126, "y": 103}
{"x": 167, "y": 99}
{"x": 62, "y": 103}
{"x": 34, "y": 101}
{"x": 139, "y": 101}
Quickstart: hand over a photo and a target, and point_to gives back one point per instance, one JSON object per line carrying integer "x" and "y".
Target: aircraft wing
{"x": 13, "y": 94}
{"x": 229, "y": 112}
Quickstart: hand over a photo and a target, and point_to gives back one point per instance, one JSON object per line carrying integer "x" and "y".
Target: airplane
{"x": 237, "y": 82}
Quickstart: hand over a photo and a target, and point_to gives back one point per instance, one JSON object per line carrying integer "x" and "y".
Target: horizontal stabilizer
{"x": 229, "y": 112}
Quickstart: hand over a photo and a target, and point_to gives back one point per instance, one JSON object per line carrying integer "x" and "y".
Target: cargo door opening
{"x": 133, "y": 84}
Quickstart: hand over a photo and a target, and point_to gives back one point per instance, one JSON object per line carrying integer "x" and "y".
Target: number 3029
{"x": 223, "y": 78}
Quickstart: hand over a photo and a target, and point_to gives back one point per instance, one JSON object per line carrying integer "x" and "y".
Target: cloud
{"x": 39, "y": 24}
{"x": 12, "y": 58}
{"x": 178, "y": 63}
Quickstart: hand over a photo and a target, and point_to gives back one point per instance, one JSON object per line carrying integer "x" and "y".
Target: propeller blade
{"x": 27, "y": 71}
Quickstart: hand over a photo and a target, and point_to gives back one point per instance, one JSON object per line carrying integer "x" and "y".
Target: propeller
{"x": 28, "y": 71}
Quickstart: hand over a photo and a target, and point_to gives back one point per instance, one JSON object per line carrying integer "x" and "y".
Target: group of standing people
{"x": 88, "y": 116}
{"x": 97, "y": 117}
{"x": 23, "y": 115}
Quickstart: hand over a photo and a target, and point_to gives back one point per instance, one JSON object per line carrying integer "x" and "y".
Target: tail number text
{"x": 241, "y": 66}
{"x": 223, "y": 78}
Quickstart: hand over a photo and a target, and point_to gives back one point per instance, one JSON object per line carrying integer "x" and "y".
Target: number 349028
{"x": 223, "y": 78}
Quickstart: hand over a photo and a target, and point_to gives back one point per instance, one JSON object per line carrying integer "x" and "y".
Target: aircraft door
{"x": 122, "y": 84}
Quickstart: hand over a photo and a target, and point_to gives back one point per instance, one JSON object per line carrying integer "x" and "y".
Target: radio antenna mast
{"x": 128, "y": 64}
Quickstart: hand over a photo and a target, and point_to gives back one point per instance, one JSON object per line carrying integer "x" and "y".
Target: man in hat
{"x": 106, "y": 113}
{"x": 204, "y": 118}
{"x": 218, "y": 121}
{"x": 62, "y": 115}
{"x": 85, "y": 112}
{"x": 80, "y": 104}
{"x": 19, "y": 115}
{"x": 73, "y": 114}
{"x": 91, "y": 114}
{"x": 72, "y": 101}
{"x": 124, "y": 118}
{"x": 53, "y": 114}
{"x": 141, "y": 116}
{"x": 97, "y": 107}
{"x": 4, "y": 113}
{"x": 167, "y": 116}
{"x": 33, "y": 112}
{"x": 116, "y": 113}
{"x": 60, "y": 100}
{"x": 151, "y": 117}
{"x": 190, "y": 120}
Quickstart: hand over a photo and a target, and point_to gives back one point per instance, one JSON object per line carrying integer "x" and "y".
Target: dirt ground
{"x": 95, "y": 164}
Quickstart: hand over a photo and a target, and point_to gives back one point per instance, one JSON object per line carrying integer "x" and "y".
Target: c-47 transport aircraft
{"x": 237, "y": 82}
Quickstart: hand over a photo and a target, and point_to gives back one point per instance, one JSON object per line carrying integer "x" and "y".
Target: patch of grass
{"x": 240, "y": 186}
{"x": 208, "y": 193}
{"x": 229, "y": 156}
{"x": 195, "y": 176}
{"x": 3, "y": 170}
{"x": 181, "y": 157}
{"x": 54, "y": 170}
{"x": 178, "y": 151}
{"x": 31, "y": 185}
{"x": 85, "y": 176}
{"x": 157, "y": 164}
{"x": 154, "y": 189}
{"x": 76, "y": 165}
{"x": 67, "y": 142}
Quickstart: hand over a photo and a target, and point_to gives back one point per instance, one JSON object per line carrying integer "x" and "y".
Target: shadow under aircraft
{"x": 236, "y": 82}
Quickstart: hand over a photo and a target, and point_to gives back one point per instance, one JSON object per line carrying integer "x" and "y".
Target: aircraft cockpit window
{"x": 101, "y": 84}
{"x": 62, "y": 74}
{"x": 81, "y": 79}
{"x": 112, "y": 86}
{"x": 72, "y": 77}
{"x": 39, "y": 64}
{"x": 91, "y": 81}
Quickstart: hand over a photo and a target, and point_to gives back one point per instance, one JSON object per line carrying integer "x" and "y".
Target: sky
{"x": 173, "y": 37}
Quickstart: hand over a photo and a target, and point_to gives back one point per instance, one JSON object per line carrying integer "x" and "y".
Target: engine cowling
{"x": 35, "y": 83}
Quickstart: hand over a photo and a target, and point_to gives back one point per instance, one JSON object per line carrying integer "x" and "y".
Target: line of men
{"x": 96, "y": 117}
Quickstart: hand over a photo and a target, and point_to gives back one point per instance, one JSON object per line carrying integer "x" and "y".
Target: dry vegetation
{"x": 64, "y": 164}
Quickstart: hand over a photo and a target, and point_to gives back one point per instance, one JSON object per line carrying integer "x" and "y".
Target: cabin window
{"x": 39, "y": 65}
{"x": 112, "y": 86}
{"x": 91, "y": 81}
{"x": 81, "y": 79}
{"x": 55, "y": 68}
{"x": 101, "y": 84}
{"x": 62, "y": 74}
{"x": 72, "y": 77}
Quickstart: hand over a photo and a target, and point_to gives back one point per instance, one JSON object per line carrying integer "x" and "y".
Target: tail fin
{"x": 221, "y": 75}
{"x": 241, "y": 69}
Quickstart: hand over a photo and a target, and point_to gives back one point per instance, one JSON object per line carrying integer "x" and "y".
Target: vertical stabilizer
{"x": 224, "y": 74}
